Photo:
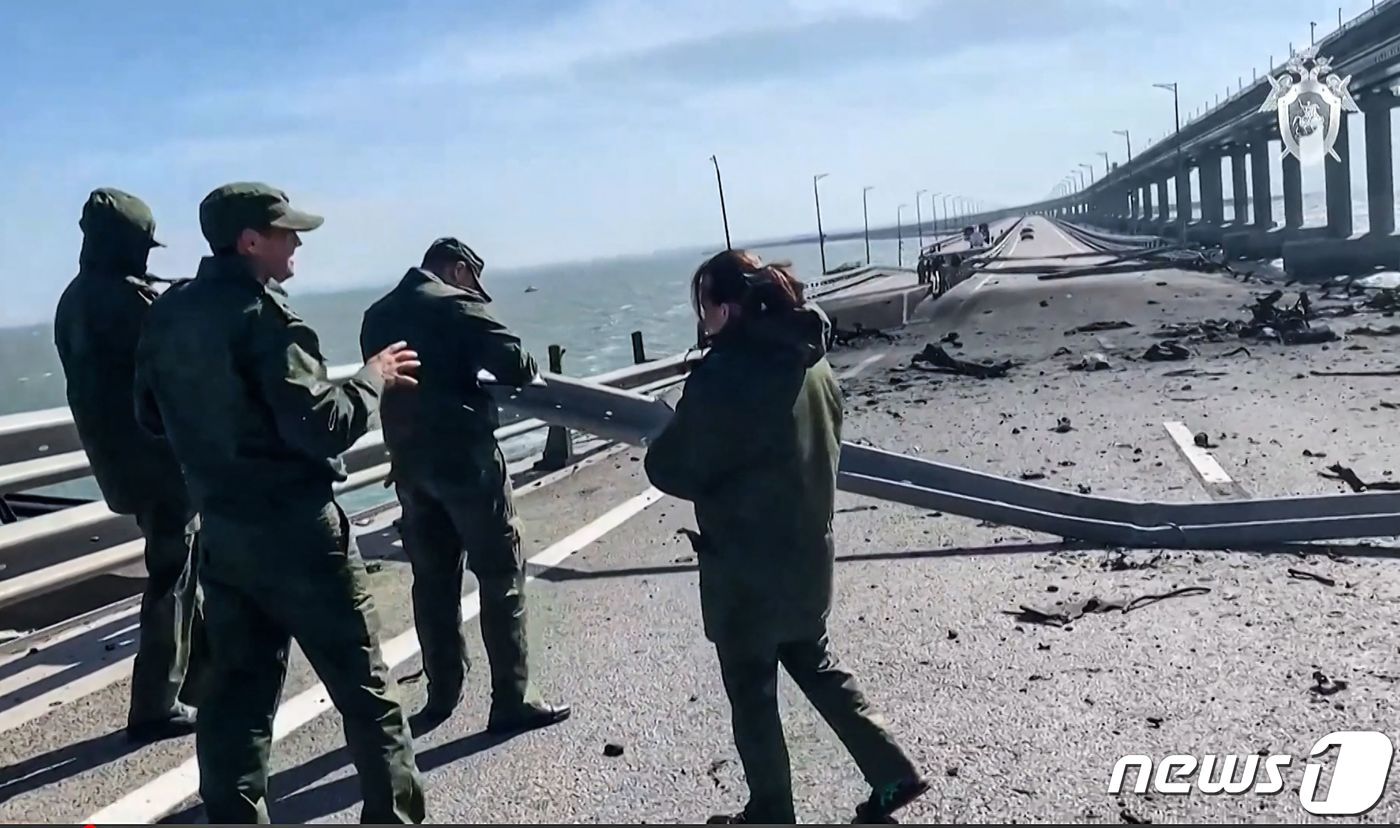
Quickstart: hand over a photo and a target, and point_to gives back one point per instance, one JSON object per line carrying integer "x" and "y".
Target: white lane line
{"x": 1203, "y": 462}
{"x": 856, "y": 369}
{"x": 1075, "y": 247}
{"x": 997, "y": 264}
{"x": 165, "y": 793}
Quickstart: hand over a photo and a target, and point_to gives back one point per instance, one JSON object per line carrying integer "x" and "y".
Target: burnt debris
{"x": 934, "y": 358}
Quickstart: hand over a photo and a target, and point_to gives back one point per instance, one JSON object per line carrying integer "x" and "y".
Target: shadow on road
{"x": 63, "y": 764}
{"x": 312, "y": 803}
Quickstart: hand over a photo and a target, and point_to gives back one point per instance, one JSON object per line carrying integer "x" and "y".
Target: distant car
{"x": 1027, "y": 232}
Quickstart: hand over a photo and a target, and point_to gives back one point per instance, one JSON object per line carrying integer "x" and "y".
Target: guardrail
{"x": 51, "y": 551}
{"x": 64, "y": 546}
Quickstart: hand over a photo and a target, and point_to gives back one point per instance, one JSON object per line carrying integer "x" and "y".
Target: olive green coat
{"x": 444, "y": 428}
{"x": 96, "y": 327}
{"x": 754, "y": 444}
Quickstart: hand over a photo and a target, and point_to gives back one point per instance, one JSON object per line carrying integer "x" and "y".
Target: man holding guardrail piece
{"x": 96, "y": 328}
{"x": 453, "y": 483}
{"x": 235, "y": 380}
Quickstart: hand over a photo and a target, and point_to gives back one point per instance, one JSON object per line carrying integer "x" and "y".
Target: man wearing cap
{"x": 96, "y": 326}
{"x": 235, "y": 380}
{"x": 453, "y": 484}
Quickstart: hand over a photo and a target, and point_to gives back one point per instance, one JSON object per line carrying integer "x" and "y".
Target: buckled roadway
{"x": 1012, "y": 721}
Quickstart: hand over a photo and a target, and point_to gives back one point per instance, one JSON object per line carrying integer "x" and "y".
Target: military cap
{"x": 109, "y": 211}
{"x": 450, "y": 249}
{"x": 226, "y": 212}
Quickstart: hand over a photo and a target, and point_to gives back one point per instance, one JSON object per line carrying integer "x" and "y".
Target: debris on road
{"x": 1121, "y": 562}
{"x": 1380, "y": 373}
{"x": 1094, "y": 327}
{"x": 849, "y": 337}
{"x": 1062, "y": 426}
{"x": 1367, "y": 330}
{"x": 612, "y": 750}
{"x": 1067, "y": 613}
{"x": 1306, "y": 575}
{"x": 1311, "y": 453}
{"x": 1202, "y": 440}
{"x": 1093, "y": 361}
{"x": 1166, "y": 351}
{"x": 934, "y": 358}
{"x": 1032, "y": 475}
{"x": 1325, "y": 686}
{"x": 1349, "y": 477}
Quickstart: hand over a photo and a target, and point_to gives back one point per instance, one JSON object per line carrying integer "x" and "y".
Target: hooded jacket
{"x": 96, "y": 328}
{"x": 755, "y": 444}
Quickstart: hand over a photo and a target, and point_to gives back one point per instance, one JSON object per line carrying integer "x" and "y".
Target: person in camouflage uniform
{"x": 96, "y": 327}
{"x": 755, "y": 444}
{"x": 452, "y": 481}
{"x": 235, "y": 380}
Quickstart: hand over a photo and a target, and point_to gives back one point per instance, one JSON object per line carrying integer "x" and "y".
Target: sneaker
{"x": 882, "y": 804}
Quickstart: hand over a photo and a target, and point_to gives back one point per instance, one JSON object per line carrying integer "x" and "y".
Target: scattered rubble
{"x": 1067, "y": 613}
{"x": 934, "y": 358}
{"x": 1367, "y": 330}
{"x": 1166, "y": 351}
{"x": 1094, "y": 327}
{"x": 844, "y": 338}
{"x": 1092, "y": 361}
{"x": 1306, "y": 575}
{"x": 1326, "y": 686}
{"x": 612, "y": 750}
{"x": 1349, "y": 477}
{"x": 1062, "y": 426}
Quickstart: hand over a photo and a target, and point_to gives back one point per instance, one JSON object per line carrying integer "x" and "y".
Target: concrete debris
{"x": 1121, "y": 562}
{"x": 1311, "y": 453}
{"x": 1032, "y": 475}
{"x": 1323, "y": 685}
{"x": 1306, "y": 575}
{"x": 934, "y": 358}
{"x": 1349, "y": 477}
{"x": 1167, "y": 351}
{"x": 612, "y": 750}
{"x": 1202, "y": 440}
{"x": 841, "y": 338}
{"x": 1094, "y": 327}
{"x": 1385, "y": 279}
{"x": 1093, "y": 361}
{"x": 1062, "y": 426}
{"x": 1367, "y": 330}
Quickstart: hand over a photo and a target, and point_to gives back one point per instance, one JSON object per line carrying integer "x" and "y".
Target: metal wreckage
{"x": 1262, "y": 525}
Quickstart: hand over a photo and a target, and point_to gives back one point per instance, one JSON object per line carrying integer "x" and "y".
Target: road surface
{"x": 1011, "y": 720}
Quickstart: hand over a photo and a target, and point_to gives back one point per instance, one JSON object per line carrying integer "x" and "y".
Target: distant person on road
{"x": 236, "y": 381}
{"x": 453, "y": 484}
{"x": 754, "y": 444}
{"x": 96, "y": 328}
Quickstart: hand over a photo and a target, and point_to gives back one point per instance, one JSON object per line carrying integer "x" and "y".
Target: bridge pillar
{"x": 1183, "y": 194}
{"x": 1146, "y": 200}
{"x": 1212, "y": 190}
{"x": 1239, "y": 183}
{"x": 1380, "y": 172}
{"x": 1263, "y": 189}
{"x": 1292, "y": 193}
{"x": 1339, "y": 218}
{"x": 1164, "y": 213}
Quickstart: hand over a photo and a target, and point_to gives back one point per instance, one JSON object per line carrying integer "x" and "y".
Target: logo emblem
{"x": 1309, "y": 99}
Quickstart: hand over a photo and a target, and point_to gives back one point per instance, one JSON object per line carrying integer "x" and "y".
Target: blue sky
{"x": 552, "y": 131}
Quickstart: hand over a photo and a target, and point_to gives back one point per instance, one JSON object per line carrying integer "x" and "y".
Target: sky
{"x": 544, "y": 131}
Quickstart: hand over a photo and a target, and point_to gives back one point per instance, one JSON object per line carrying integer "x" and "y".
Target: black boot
{"x": 180, "y": 722}
{"x": 515, "y": 706}
{"x": 882, "y": 804}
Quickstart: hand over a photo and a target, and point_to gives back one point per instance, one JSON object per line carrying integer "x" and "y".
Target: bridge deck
{"x": 1011, "y": 720}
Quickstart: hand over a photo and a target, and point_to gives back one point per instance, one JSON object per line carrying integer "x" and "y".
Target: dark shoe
{"x": 728, "y": 819}
{"x": 882, "y": 804}
{"x": 527, "y": 717}
{"x": 180, "y": 722}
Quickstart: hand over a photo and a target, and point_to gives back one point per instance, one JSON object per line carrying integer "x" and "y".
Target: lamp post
{"x": 933, "y": 204}
{"x": 1105, "y": 163}
{"x": 1180, "y": 171}
{"x": 1129, "y": 139}
{"x": 722, "y": 211}
{"x": 1090, "y": 168}
{"x": 919, "y": 217}
{"x": 821, "y": 237}
{"x": 899, "y": 222}
{"x": 865, "y": 208}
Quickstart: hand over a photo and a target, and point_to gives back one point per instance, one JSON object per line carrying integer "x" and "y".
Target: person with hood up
{"x": 96, "y": 328}
{"x": 755, "y": 443}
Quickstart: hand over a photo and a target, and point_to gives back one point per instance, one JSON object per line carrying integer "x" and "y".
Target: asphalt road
{"x": 1012, "y": 721}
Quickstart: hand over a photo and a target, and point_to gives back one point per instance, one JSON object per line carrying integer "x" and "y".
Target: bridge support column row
{"x": 1380, "y": 173}
{"x": 1212, "y": 192}
{"x": 1292, "y": 193}
{"x": 1339, "y": 219}
{"x": 1239, "y": 183}
{"x": 1263, "y": 187}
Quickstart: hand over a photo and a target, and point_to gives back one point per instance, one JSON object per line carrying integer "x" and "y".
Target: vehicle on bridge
{"x": 1027, "y": 232}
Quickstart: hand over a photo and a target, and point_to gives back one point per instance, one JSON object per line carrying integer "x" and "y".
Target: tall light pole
{"x": 1105, "y": 163}
{"x": 1180, "y": 170}
{"x": 1129, "y": 139}
{"x": 865, "y": 208}
{"x": 1090, "y": 168}
{"x": 1312, "y": 29}
{"x": 919, "y": 217}
{"x": 821, "y": 237}
{"x": 947, "y": 215}
{"x": 899, "y": 221}
{"x": 933, "y": 203}
{"x": 722, "y": 211}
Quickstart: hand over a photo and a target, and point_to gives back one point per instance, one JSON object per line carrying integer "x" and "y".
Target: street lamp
{"x": 1090, "y": 168}
{"x": 865, "y": 208}
{"x": 919, "y": 217}
{"x": 821, "y": 237}
{"x": 1105, "y": 163}
{"x": 722, "y": 211}
{"x": 899, "y": 221}
{"x": 1129, "y": 139}
{"x": 1176, "y": 108}
{"x": 1312, "y": 29}
{"x": 933, "y": 203}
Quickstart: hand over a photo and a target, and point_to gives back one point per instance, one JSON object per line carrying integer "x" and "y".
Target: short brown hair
{"x": 741, "y": 277}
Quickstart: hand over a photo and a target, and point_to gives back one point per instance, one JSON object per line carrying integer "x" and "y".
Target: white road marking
{"x": 165, "y": 793}
{"x": 1075, "y": 246}
{"x": 862, "y": 365}
{"x": 1200, "y": 459}
{"x": 994, "y": 265}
